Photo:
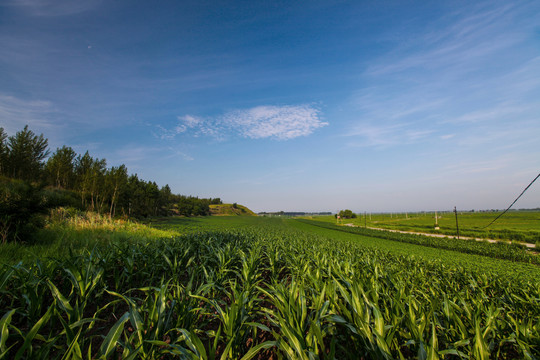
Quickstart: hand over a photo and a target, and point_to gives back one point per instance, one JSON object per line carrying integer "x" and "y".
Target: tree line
{"x": 65, "y": 178}
{"x": 346, "y": 214}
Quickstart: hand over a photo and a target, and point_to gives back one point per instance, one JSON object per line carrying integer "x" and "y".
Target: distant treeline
{"x": 66, "y": 178}
{"x": 293, "y": 213}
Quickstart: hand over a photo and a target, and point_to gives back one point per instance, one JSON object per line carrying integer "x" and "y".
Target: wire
{"x": 523, "y": 192}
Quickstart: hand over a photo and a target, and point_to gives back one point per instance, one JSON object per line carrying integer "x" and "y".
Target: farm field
{"x": 263, "y": 288}
{"x": 522, "y": 226}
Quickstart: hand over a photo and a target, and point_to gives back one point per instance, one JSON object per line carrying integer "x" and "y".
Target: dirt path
{"x": 530, "y": 246}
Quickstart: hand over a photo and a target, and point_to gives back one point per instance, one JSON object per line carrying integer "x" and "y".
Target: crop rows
{"x": 514, "y": 226}
{"x": 494, "y": 250}
{"x": 260, "y": 293}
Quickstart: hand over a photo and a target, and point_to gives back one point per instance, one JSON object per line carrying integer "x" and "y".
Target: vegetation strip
{"x": 525, "y": 245}
{"x": 496, "y": 250}
{"x": 516, "y": 225}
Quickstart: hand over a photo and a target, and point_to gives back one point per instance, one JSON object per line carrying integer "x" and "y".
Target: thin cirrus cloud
{"x": 274, "y": 122}
{"x": 16, "y": 113}
{"x": 382, "y": 136}
{"x": 454, "y": 79}
{"x": 467, "y": 41}
{"x": 49, "y": 8}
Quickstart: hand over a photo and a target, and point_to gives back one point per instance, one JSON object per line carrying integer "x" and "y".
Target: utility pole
{"x": 457, "y": 226}
{"x": 365, "y": 219}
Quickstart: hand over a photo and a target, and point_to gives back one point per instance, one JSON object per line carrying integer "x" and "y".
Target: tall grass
{"x": 71, "y": 231}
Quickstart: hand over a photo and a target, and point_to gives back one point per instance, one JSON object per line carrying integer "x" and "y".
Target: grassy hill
{"x": 230, "y": 210}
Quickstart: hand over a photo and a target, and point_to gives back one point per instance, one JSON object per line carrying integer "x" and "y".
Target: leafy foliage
{"x": 20, "y": 206}
{"x": 4, "y": 152}
{"x": 101, "y": 189}
{"x": 60, "y": 169}
{"x": 346, "y": 214}
{"x": 26, "y": 152}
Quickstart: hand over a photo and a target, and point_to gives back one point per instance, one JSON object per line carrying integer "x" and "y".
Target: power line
{"x": 523, "y": 192}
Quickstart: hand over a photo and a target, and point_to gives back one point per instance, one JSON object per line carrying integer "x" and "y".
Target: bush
{"x": 347, "y": 214}
{"x": 65, "y": 214}
{"x": 61, "y": 198}
{"x": 21, "y": 205}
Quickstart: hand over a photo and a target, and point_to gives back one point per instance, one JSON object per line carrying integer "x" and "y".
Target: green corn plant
{"x": 28, "y": 345}
{"x": 4, "y": 333}
{"x": 363, "y": 319}
{"x": 236, "y": 320}
{"x": 84, "y": 277}
{"x": 300, "y": 331}
{"x": 111, "y": 340}
{"x": 249, "y": 274}
{"x": 150, "y": 319}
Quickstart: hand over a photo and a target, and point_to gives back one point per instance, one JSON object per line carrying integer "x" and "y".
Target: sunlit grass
{"x": 66, "y": 233}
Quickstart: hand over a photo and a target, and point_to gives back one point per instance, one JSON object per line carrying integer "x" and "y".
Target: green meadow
{"x": 521, "y": 226}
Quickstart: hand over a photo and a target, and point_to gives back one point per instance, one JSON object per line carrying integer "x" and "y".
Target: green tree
{"x": 347, "y": 214}
{"x": 142, "y": 198}
{"x": 90, "y": 175}
{"x": 60, "y": 168}
{"x": 3, "y": 152}
{"x": 165, "y": 200}
{"x": 185, "y": 206}
{"x": 115, "y": 182}
{"x": 97, "y": 184}
{"x": 152, "y": 198}
{"x": 82, "y": 173}
{"x": 21, "y": 204}
{"x": 26, "y": 154}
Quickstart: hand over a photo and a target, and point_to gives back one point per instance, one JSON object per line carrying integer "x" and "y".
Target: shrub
{"x": 21, "y": 204}
{"x": 347, "y": 214}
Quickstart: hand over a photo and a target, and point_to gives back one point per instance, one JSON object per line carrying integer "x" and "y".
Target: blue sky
{"x": 295, "y": 106}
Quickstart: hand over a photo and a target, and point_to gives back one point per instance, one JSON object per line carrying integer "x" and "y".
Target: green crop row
{"x": 494, "y": 250}
{"x": 470, "y": 262}
{"x": 260, "y": 293}
{"x": 523, "y": 226}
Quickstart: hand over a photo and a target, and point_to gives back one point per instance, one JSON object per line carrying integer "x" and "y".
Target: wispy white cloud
{"x": 503, "y": 136}
{"x": 388, "y": 119}
{"x": 134, "y": 156}
{"x": 457, "y": 42}
{"x": 466, "y": 75}
{"x": 15, "y": 113}
{"x": 50, "y": 8}
{"x": 382, "y": 136}
{"x": 478, "y": 166}
{"x": 499, "y": 112}
{"x": 275, "y": 122}
{"x": 180, "y": 154}
{"x": 195, "y": 126}
{"x": 278, "y": 122}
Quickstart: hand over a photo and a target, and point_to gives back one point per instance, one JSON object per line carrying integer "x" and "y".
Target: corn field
{"x": 265, "y": 292}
